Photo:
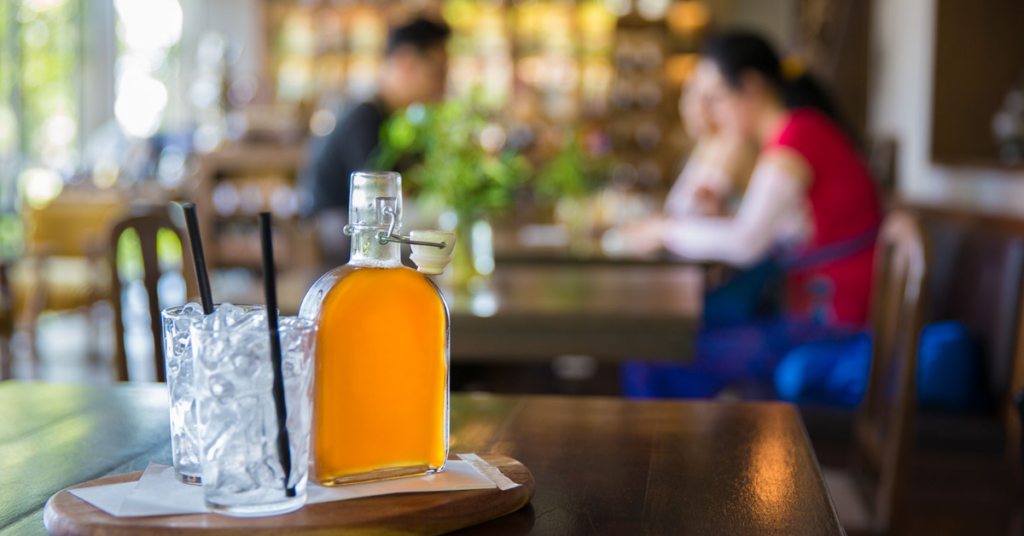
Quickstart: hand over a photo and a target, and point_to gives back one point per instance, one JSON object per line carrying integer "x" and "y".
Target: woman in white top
{"x": 810, "y": 204}
{"x": 718, "y": 167}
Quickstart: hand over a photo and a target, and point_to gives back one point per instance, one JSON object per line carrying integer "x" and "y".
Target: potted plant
{"x": 454, "y": 170}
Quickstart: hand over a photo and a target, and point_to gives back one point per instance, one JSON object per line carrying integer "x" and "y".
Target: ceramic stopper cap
{"x": 429, "y": 259}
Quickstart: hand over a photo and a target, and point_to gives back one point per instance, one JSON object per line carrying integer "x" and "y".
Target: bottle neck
{"x": 375, "y": 206}
{"x": 367, "y": 251}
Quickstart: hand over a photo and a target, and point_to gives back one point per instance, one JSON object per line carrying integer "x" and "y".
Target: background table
{"x": 602, "y": 465}
{"x": 609, "y": 312}
{"x": 539, "y": 311}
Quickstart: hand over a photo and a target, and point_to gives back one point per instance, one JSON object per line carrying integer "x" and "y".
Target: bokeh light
{"x": 322, "y": 122}
{"x": 43, "y": 5}
{"x": 36, "y": 34}
{"x": 105, "y": 173}
{"x": 149, "y": 25}
{"x": 679, "y": 67}
{"x": 171, "y": 167}
{"x": 688, "y": 17}
{"x": 207, "y": 138}
{"x": 619, "y": 7}
{"x": 59, "y": 129}
{"x": 251, "y": 199}
{"x": 242, "y": 90}
{"x": 225, "y": 198}
{"x": 147, "y": 30}
{"x": 492, "y": 138}
{"x": 8, "y": 129}
{"x": 283, "y": 202}
{"x": 40, "y": 186}
{"x": 652, "y": 9}
{"x": 140, "y": 104}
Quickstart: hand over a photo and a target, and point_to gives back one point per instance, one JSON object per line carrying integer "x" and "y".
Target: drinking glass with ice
{"x": 185, "y": 453}
{"x": 237, "y": 420}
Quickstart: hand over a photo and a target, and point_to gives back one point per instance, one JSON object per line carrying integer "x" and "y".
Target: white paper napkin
{"x": 158, "y": 492}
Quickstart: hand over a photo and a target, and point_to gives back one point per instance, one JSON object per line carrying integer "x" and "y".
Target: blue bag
{"x": 836, "y": 372}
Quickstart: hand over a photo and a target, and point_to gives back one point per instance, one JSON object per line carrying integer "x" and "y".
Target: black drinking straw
{"x": 270, "y": 290}
{"x": 198, "y": 258}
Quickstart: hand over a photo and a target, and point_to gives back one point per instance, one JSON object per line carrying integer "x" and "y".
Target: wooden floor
{"x": 952, "y": 493}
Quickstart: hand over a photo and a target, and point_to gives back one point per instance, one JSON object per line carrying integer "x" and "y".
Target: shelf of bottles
{"x": 324, "y": 50}
{"x": 611, "y": 69}
{"x": 238, "y": 182}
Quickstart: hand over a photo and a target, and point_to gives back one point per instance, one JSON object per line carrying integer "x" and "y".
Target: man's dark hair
{"x": 421, "y": 34}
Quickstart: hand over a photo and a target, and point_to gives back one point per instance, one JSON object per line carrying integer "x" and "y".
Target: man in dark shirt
{"x": 414, "y": 71}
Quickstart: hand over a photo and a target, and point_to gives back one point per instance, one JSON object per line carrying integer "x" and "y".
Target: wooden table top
{"x": 509, "y": 247}
{"x": 601, "y": 465}
{"x": 541, "y": 311}
{"x": 606, "y": 311}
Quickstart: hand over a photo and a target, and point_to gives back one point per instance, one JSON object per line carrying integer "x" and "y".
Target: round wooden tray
{"x": 407, "y": 514}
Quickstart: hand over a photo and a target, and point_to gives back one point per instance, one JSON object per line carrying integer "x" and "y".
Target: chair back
{"x": 1018, "y": 403}
{"x": 74, "y": 223}
{"x": 885, "y": 425}
{"x": 7, "y": 314}
{"x": 147, "y": 226}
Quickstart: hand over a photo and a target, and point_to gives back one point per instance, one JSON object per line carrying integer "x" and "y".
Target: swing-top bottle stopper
{"x": 381, "y": 218}
{"x": 431, "y": 259}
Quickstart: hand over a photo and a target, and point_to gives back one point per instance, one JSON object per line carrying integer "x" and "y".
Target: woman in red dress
{"x": 811, "y": 205}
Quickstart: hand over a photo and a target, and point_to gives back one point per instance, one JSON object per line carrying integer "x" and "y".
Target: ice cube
{"x": 191, "y": 416}
{"x": 263, "y": 377}
{"x": 235, "y": 482}
{"x": 267, "y": 472}
{"x": 220, "y": 386}
{"x": 189, "y": 452}
{"x": 192, "y": 309}
{"x": 245, "y": 363}
{"x": 211, "y": 352}
{"x": 173, "y": 366}
{"x": 223, "y": 316}
{"x": 184, "y": 368}
{"x": 231, "y": 456}
{"x": 182, "y": 323}
{"x": 254, "y": 320}
{"x": 216, "y": 435}
{"x": 185, "y": 449}
{"x": 182, "y": 392}
{"x": 255, "y": 429}
{"x": 232, "y": 314}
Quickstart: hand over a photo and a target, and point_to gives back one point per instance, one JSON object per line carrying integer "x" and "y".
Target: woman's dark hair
{"x": 737, "y": 53}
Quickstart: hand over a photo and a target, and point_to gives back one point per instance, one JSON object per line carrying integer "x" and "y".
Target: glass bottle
{"x": 380, "y": 407}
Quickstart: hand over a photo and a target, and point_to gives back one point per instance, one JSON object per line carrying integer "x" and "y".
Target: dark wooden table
{"x": 536, "y": 312}
{"x": 610, "y": 312}
{"x": 509, "y": 248}
{"x": 602, "y": 465}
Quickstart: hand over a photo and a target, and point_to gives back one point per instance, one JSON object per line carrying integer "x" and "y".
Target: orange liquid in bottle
{"x": 381, "y": 385}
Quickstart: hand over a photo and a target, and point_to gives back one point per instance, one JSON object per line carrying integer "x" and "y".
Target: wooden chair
{"x": 146, "y": 225}
{"x": 1013, "y": 408}
{"x": 871, "y": 495}
{"x": 1017, "y": 516}
{"x": 7, "y": 313}
{"x": 62, "y": 267}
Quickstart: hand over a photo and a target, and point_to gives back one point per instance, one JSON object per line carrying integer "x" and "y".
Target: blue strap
{"x": 831, "y": 252}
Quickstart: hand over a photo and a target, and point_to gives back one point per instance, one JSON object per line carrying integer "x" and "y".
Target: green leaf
{"x": 454, "y": 170}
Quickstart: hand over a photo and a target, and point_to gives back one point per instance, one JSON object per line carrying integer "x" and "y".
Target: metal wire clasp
{"x": 386, "y": 217}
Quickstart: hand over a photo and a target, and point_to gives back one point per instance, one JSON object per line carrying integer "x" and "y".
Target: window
{"x": 39, "y": 57}
{"x": 147, "y": 34}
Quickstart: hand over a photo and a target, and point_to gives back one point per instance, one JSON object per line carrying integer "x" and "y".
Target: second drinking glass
{"x": 185, "y": 453}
